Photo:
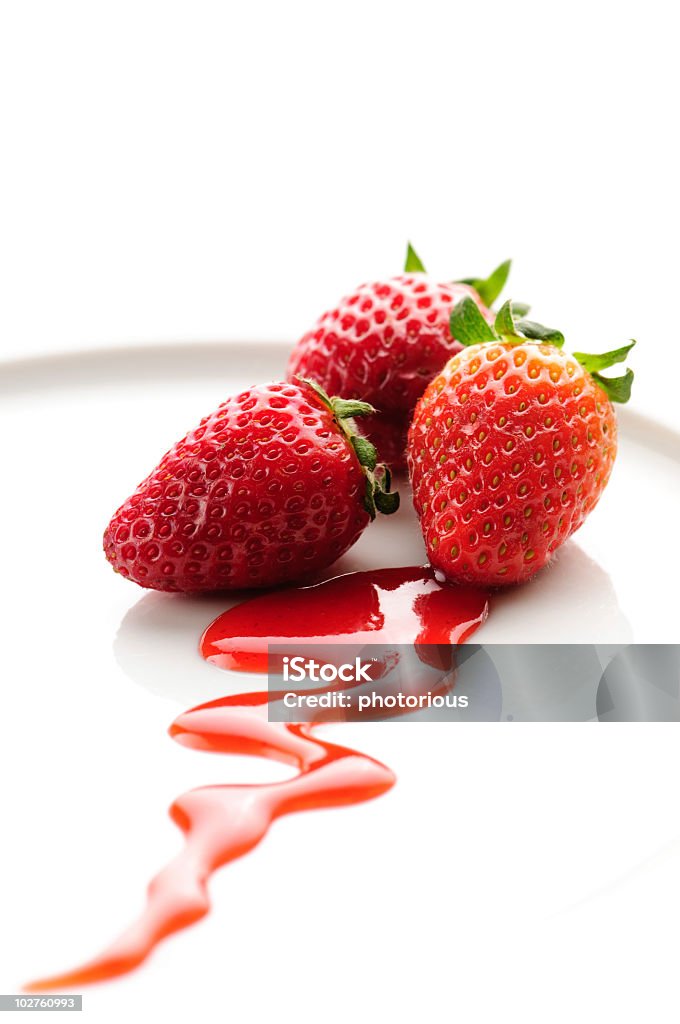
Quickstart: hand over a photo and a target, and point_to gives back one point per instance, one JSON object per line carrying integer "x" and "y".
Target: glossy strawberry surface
{"x": 267, "y": 489}
{"x": 383, "y": 344}
{"x": 510, "y": 449}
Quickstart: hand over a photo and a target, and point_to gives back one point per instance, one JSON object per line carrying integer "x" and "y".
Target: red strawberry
{"x": 273, "y": 486}
{"x": 510, "y": 447}
{"x": 386, "y": 341}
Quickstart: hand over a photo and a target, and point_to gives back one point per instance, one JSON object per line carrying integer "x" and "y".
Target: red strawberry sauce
{"x": 221, "y": 823}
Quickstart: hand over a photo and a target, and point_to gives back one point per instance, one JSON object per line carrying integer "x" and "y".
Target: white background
{"x": 219, "y": 171}
{"x": 183, "y": 171}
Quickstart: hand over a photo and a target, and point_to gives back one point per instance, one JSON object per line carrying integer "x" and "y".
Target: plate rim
{"x": 634, "y": 420}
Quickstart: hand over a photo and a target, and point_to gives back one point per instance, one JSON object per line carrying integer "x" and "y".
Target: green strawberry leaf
{"x": 489, "y": 288}
{"x": 593, "y": 363}
{"x": 508, "y": 327}
{"x": 520, "y": 309}
{"x": 467, "y": 324}
{"x": 341, "y": 408}
{"x": 413, "y": 264}
{"x": 505, "y": 321}
{"x": 378, "y": 497}
{"x": 386, "y": 502}
{"x": 617, "y": 388}
{"x": 369, "y": 496}
{"x": 377, "y": 494}
{"x": 317, "y": 389}
{"x": 366, "y": 452}
{"x": 537, "y": 332}
{"x": 349, "y": 408}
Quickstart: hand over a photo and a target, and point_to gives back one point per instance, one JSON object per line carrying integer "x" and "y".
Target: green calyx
{"x": 378, "y": 497}
{"x": 617, "y": 388}
{"x": 413, "y": 264}
{"x": 488, "y": 288}
{"x": 469, "y": 327}
{"x": 508, "y": 326}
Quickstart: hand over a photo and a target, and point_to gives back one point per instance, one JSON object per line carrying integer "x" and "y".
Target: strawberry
{"x": 271, "y": 487}
{"x": 385, "y": 341}
{"x": 510, "y": 447}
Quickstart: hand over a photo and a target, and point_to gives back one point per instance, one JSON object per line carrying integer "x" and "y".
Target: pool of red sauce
{"x": 220, "y": 823}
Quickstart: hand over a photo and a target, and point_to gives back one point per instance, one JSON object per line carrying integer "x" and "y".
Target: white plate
{"x": 87, "y": 770}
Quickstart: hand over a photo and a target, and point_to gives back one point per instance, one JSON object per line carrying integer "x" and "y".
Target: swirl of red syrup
{"x": 223, "y": 822}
